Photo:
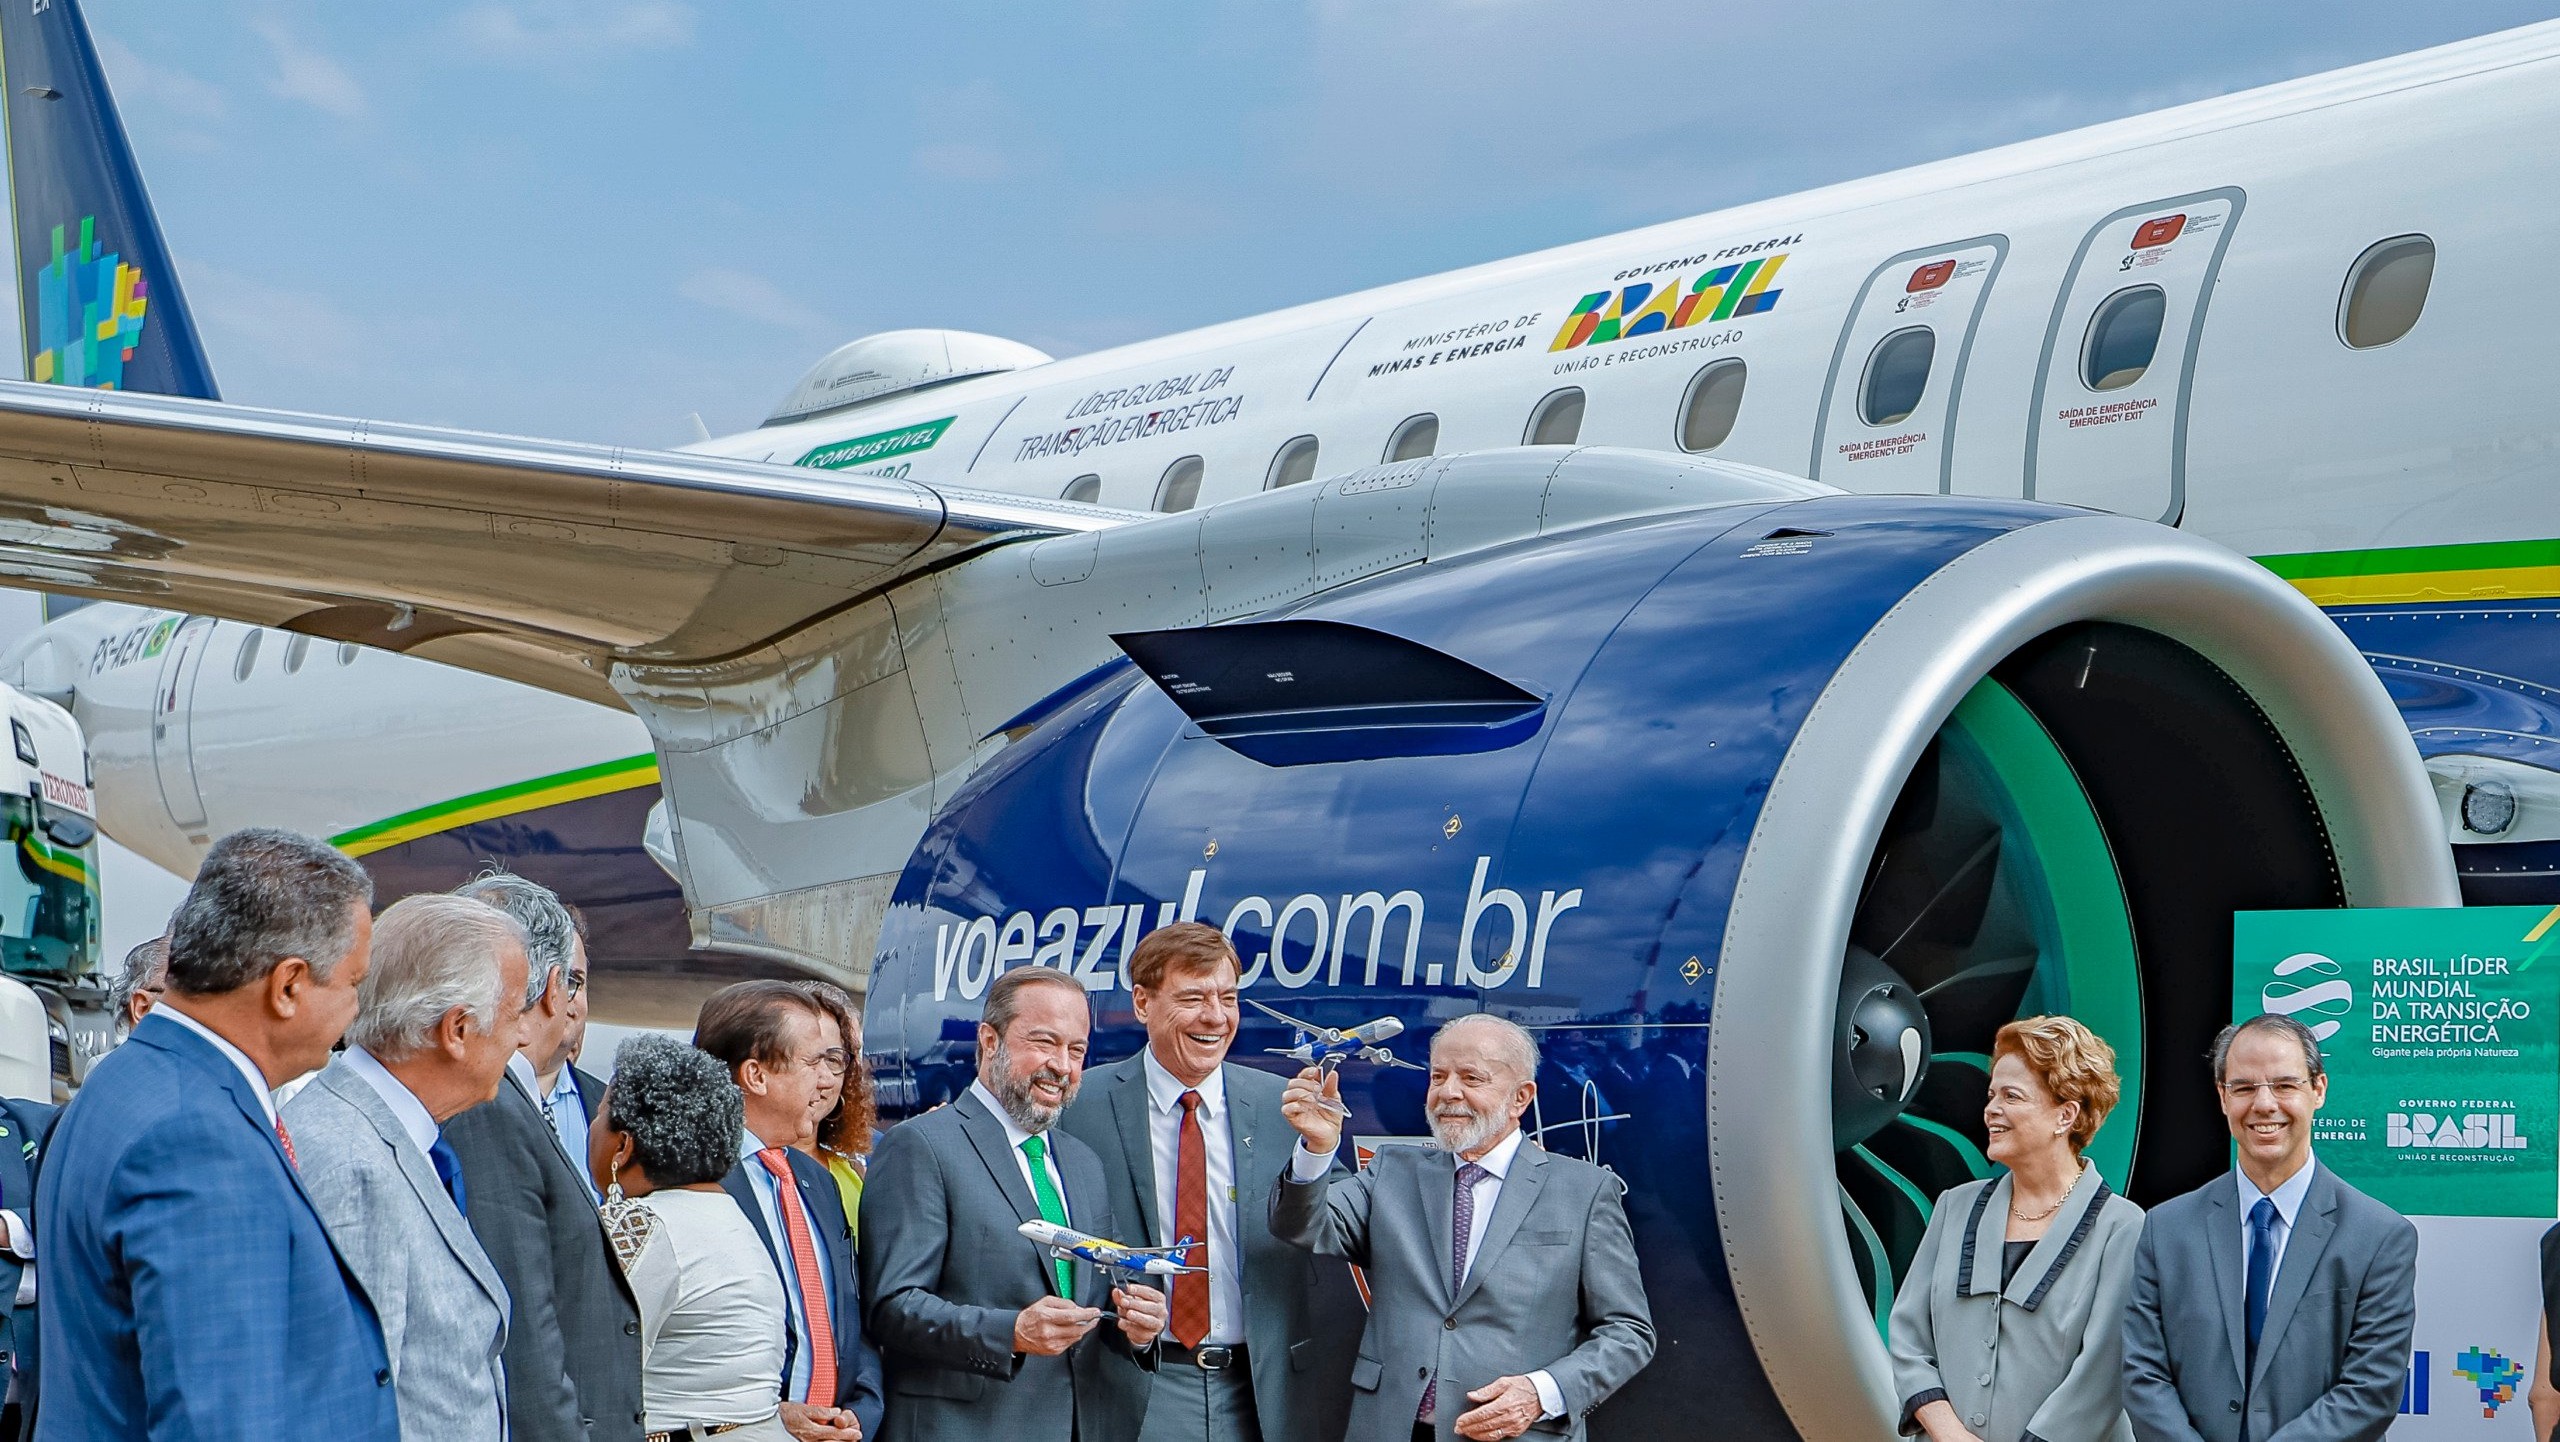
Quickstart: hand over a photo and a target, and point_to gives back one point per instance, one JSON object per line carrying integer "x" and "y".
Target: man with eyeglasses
{"x": 784, "y": 1051}
{"x": 2275, "y": 1302}
{"x": 568, "y": 1095}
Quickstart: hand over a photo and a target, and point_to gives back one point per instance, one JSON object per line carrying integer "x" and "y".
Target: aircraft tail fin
{"x": 99, "y": 301}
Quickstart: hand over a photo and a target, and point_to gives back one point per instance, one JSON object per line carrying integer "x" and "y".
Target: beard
{"x": 1014, "y": 1093}
{"x": 1462, "y": 1129}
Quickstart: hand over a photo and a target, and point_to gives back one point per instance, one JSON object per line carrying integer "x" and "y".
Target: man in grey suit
{"x": 2277, "y": 1273}
{"x": 437, "y": 1017}
{"x": 1261, "y": 1346}
{"x": 1504, "y": 1292}
{"x": 573, "y": 1340}
{"x": 985, "y": 1336}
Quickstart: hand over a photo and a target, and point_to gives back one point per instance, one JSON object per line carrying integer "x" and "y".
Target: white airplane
{"x": 1069, "y": 1245}
{"x": 1681, "y": 633}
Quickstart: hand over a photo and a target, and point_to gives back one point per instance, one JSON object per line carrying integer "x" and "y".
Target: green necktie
{"x": 1037, "y": 1149}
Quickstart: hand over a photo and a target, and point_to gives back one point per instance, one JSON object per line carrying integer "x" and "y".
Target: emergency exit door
{"x": 172, "y": 725}
{"x": 2109, "y": 424}
{"x": 1889, "y": 409}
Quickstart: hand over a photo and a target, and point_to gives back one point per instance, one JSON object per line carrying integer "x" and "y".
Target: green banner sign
{"x": 2442, "y": 1033}
{"x": 880, "y": 446}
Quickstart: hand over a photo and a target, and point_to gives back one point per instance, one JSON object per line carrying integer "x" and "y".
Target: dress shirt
{"x": 2288, "y": 1197}
{"x": 1217, "y": 1145}
{"x": 566, "y": 1110}
{"x": 1307, "y": 1166}
{"x": 238, "y": 1058}
{"x": 767, "y": 1188}
{"x": 412, "y": 1114}
{"x": 1014, "y": 1137}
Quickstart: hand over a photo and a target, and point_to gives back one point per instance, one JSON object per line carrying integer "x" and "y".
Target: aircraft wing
{"x": 542, "y": 561}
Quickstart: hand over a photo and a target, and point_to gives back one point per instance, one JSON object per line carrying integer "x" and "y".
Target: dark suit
{"x": 857, "y": 1365}
{"x": 25, "y": 1127}
{"x": 590, "y": 1090}
{"x": 946, "y": 1271}
{"x": 1302, "y": 1315}
{"x": 573, "y": 1341}
{"x": 2333, "y": 1352}
{"x": 190, "y": 1291}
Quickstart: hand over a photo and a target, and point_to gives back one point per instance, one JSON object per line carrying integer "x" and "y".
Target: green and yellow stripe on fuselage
{"x": 500, "y": 801}
{"x": 2467, "y": 574}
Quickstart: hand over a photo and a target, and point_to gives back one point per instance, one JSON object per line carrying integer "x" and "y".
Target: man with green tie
{"x": 982, "y": 1333}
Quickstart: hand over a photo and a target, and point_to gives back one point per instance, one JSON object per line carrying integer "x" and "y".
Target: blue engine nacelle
{"x": 1764, "y": 816}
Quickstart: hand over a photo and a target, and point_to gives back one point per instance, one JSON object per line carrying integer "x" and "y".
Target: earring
{"x": 628, "y": 1225}
{"x": 613, "y": 1186}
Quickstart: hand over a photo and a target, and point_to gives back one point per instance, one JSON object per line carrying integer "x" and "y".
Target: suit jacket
{"x": 946, "y": 1271}
{"x": 573, "y": 1340}
{"x": 190, "y": 1291}
{"x": 857, "y": 1364}
{"x": 2333, "y": 1353}
{"x": 1302, "y": 1315}
{"x": 1554, "y": 1284}
{"x": 590, "y": 1089}
{"x": 443, "y": 1309}
{"x": 25, "y": 1127}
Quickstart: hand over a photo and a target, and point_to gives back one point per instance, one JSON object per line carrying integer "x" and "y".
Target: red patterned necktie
{"x": 286, "y": 1138}
{"x": 1191, "y": 1222}
{"x": 813, "y": 1287}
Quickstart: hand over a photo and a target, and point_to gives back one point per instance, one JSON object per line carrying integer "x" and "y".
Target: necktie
{"x": 1462, "y": 1225}
{"x": 285, "y": 1138}
{"x": 1051, "y": 1209}
{"x": 449, "y": 1172}
{"x": 1191, "y": 1219}
{"x": 813, "y": 1287}
{"x": 2262, "y": 1267}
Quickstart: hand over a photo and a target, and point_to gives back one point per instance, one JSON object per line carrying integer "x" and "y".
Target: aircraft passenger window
{"x": 347, "y": 653}
{"x": 1557, "y": 421}
{"x": 294, "y": 651}
{"x": 1417, "y": 437}
{"x": 1295, "y": 461}
{"x": 247, "y": 660}
{"x": 1708, "y": 411}
{"x": 1084, "y": 489}
{"x": 1897, "y": 375}
{"x": 2123, "y": 336}
{"x": 2386, "y": 288}
{"x": 1180, "y": 488}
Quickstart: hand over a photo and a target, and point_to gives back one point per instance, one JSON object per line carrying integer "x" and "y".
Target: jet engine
{"x": 1763, "y": 816}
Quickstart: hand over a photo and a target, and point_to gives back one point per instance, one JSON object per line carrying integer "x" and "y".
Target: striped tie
{"x": 813, "y": 1287}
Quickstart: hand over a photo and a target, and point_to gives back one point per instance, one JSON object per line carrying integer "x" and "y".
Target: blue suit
{"x": 189, "y": 1291}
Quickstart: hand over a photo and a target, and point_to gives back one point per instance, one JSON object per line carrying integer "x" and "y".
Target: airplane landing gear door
{"x": 2109, "y": 427}
{"x": 172, "y": 725}
{"x": 1889, "y": 408}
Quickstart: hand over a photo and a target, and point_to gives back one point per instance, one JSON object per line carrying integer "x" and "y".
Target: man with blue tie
{"x": 2274, "y": 1303}
{"x": 190, "y": 1289}
{"x": 782, "y": 1049}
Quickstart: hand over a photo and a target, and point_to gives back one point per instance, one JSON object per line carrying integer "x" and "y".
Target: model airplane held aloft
{"x": 1326, "y": 1048}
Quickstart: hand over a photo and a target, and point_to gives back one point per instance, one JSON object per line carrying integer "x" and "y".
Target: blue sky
{"x": 590, "y": 218}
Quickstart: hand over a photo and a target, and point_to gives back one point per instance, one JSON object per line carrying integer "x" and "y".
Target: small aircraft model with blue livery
{"x": 1113, "y": 1258}
{"x": 1326, "y": 1048}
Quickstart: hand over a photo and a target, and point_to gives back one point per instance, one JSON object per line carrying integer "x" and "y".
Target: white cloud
{"x": 548, "y": 31}
{"x": 752, "y": 298}
{"x": 244, "y": 315}
{"x": 307, "y": 75}
{"x": 132, "y": 78}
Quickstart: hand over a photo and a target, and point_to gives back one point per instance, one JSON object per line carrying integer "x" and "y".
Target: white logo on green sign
{"x": 881, "y": 446}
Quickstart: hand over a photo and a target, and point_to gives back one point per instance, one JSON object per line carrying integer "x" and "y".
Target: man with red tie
{"x": 782, "y": 1049}
{"x": 1260, "y": 1347}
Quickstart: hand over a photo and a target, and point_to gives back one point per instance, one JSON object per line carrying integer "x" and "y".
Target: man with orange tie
{"x": 781, "y": 1048}
{"x": 1260, "y": 1349}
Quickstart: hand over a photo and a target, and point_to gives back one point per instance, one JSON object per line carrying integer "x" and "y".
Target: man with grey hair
{"x": 138, "y": 987}
{"x": 436, "y": 1020}
{"x": 573, "y": 1341}
{"x": 190, "y": 1288}
{"x": 1502, "y": 1278}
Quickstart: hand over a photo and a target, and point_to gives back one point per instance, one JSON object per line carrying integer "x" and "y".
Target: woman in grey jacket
{"x": 2009, "y": 1326}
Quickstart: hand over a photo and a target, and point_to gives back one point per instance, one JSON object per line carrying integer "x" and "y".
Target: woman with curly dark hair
{"x": 845, "y": 1127}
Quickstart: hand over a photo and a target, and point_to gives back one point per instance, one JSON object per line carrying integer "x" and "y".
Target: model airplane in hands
{"x": 1326, "y": 1048}
{"x": 1113, "y": 1258}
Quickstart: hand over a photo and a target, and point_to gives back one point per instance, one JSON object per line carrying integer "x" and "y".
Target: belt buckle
{"x": 1214, "y": 1358}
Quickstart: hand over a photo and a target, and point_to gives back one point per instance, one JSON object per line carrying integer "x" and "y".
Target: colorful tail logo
{"x": 89, "y": 310}
{"x": 1641, "y": 309}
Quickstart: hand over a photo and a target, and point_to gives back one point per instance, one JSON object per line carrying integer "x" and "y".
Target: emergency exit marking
{"x": 1209, "y": 850}
{"x": 1691, "y": 970}
{"x": 1450, "y": 830}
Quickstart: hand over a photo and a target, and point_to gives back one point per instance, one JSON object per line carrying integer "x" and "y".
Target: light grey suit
{"x": 2040, "y": 1358}
{"x": 443, "y": 1309}
{"x": 1554, "y": 1284}
{"x": 2333, "y": 1353}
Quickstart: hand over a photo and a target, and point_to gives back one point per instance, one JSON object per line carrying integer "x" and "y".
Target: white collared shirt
{"x": 1307, "y": 1166}
{"x": 768, "y": 1190}
{"x": 2288, "y": 1197}
{"x": 412, "y": 1114}
{"x": 1217, "y": 1145}
{"x": 257, "y": 1079}
{"x": 1014, "y": 1137}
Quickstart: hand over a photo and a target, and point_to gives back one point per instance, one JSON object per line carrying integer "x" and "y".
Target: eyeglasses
{"x": 2283, "y": 1089}
{"x": 573, "y": 982}
{"x": 835, "y": 1059}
